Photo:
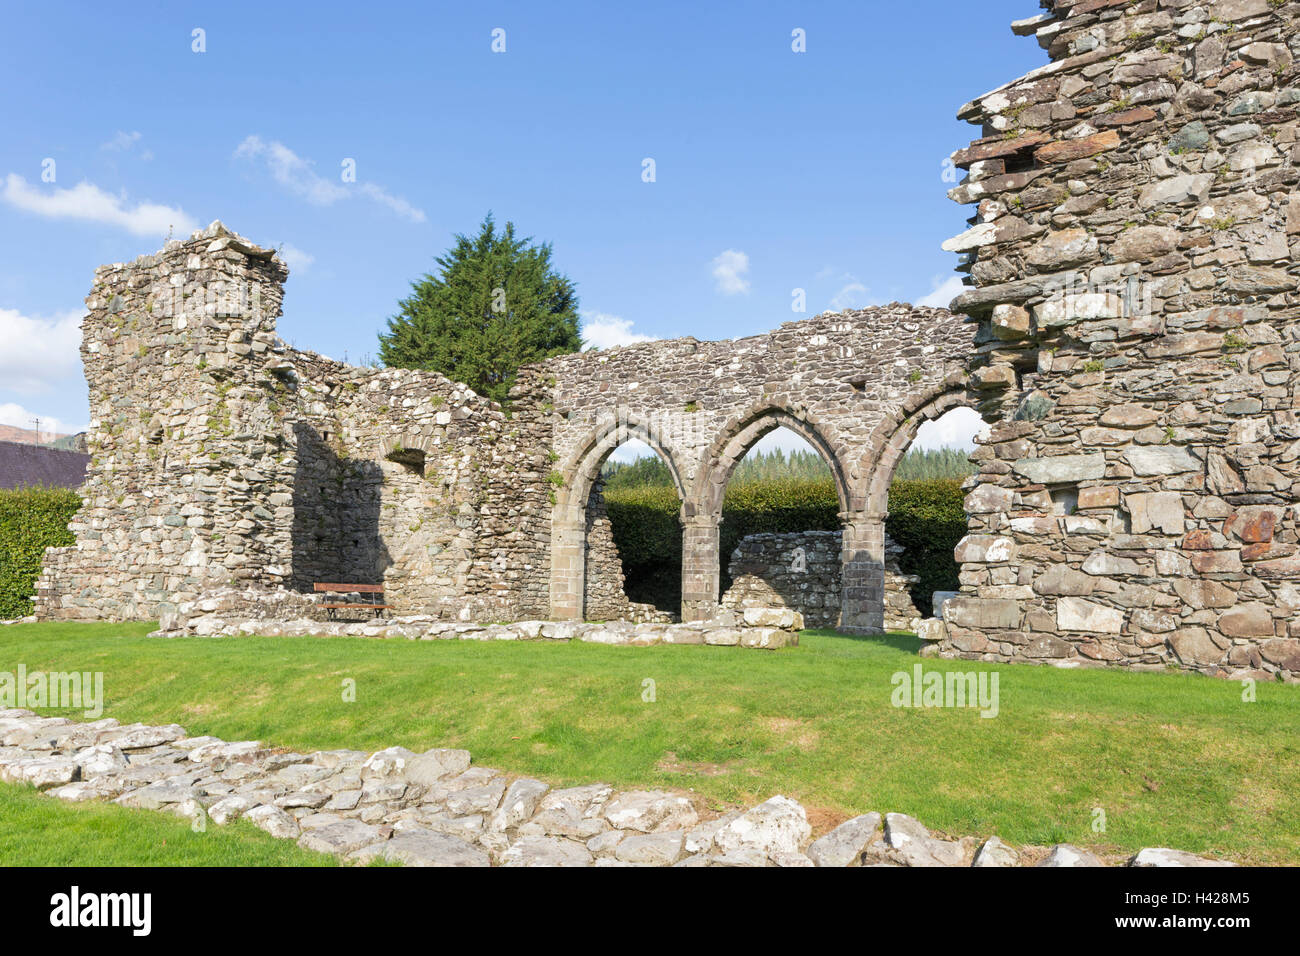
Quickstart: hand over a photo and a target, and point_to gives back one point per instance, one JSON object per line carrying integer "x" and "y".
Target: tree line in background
{"x": 779, "y": 465}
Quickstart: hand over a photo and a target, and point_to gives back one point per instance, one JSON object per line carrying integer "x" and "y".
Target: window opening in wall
{"x": 412, "y": 459}
{"x": 1065, "y": 499}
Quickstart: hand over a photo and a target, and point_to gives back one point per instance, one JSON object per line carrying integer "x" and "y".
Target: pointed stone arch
{"x": 582, "y": 469}
{"x": 702, "y": 513}
{"x": 579, "y": 475}
{"x": 741, "y": 433}
{"x": 897, "y": 430}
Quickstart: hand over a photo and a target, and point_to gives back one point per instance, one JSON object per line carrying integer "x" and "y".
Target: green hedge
{"x": 926, "y": 517}
{"x": 31, "y": 519}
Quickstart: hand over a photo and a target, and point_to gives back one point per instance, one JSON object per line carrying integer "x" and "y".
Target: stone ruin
{"x": 1134, "y": 253}
{"x": 441, "y": 808}
{"x": 1131, "y": 338}
{"x": 221, "y": 457}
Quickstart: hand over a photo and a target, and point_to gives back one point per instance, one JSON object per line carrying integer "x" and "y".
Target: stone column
{"x": 862, "y": 589}
{"x": 568, "y": 566}
{"x": 700, "y": 566}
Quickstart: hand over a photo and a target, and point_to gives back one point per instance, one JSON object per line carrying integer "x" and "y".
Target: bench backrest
{"x": 349, "y": 588}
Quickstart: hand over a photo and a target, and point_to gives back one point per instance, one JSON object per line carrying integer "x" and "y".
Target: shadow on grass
{"x": 899, "y": 641}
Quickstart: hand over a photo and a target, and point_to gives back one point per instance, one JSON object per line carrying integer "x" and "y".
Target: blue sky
{"x": 774, "y": 170}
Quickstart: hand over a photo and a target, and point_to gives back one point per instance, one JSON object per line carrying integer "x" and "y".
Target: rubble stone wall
{"x": 1134, "y": 254}
{"x": 857, "y": 385}
{"x": 220, "y": 455}
{"x": 801, "y": 571}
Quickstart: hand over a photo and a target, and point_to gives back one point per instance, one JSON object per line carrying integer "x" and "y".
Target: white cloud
{"x": 945, "y": 290}
{"x": 122, "y": 141}
{"x": 780, "y": 438}
{"x": 292, "y": 171}
{"x": 39, "y": 355}
{"x": 396, "y": 203}
{"x": 954, "y": 429}
{"x": 729, "y": 270}
{"x": 300, "y": 177}
{"x": 603, "y": 331}
{"x": 16, "y": 415}
{"x": 854, "y": 295}
{"x": 297, "y": 259}
{"x": 89, "y": 203}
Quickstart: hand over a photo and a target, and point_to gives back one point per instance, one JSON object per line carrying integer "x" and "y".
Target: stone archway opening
{"x": 916, "y": 484}
{"x": 707, "y": 549}
{"x": 634, "y": 538}
{"x": 588, "y": 578}
{"x": 780, "y": 536}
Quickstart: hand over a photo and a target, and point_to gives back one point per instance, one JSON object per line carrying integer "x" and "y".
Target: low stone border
{"x": 232, "y": 613}
{"x": 436, "y": 809}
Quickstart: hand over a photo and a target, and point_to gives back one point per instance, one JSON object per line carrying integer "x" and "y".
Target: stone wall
{"x": 606, "y": 599}
{"x": 436, "y": 809}
{"x": 1134, "y": 261}
{"x": 857, "y": 385}
{"x": 220, "y": 455}
{"x": 801, "y": 570}
{"x": 279, "y": 612}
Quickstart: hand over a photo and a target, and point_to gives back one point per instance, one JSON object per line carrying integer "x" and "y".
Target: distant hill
{"x": 27, "y": 436}
{"x": 75, "y": 442}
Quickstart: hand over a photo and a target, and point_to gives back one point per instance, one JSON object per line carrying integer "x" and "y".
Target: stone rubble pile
{"x": 230, "y": 612}
{"x": 437, "y": 809}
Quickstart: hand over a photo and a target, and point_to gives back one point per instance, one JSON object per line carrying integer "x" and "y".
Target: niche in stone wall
{"x": 1065, "y": 499}
{"x": 412, "y": 459}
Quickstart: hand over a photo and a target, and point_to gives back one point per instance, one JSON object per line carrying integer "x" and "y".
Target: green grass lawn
{"x": 1173, "y": 759}
{"x": 37, "y": 830}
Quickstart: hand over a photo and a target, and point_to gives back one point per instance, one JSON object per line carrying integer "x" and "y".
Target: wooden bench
{"x": 373, "y": 603}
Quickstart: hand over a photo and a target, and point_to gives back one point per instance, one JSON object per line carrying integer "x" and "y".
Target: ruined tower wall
{"x": 181, "y": 493}
{"x": 1135, "y": 261}
{"x": 221, "y": 455}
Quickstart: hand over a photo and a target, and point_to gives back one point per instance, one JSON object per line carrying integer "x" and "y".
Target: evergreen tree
{"x": 776, "y": 465}
{"x": 495, "y": 304}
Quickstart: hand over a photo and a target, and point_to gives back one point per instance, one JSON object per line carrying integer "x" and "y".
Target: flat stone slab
{"x": 416, "y": 847}
{"x": 847, "y": 843}
{"x": 650, "y": 810}
{"x": 546, "y": 851}
{"x": 1161, "y": 856}
{"x": 340, "y": 838}
{"x": 774, "y": 826}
